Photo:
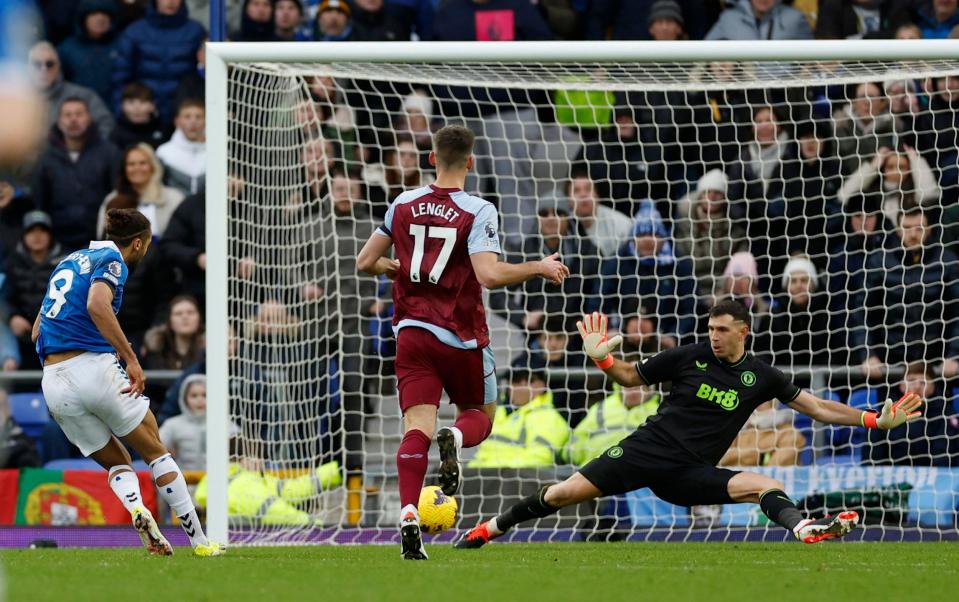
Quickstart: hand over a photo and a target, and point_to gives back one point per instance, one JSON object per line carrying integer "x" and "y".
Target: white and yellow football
{"x": 437, "y": 510}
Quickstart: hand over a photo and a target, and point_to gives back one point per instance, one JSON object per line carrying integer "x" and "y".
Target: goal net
{"x": 822, "y": 192}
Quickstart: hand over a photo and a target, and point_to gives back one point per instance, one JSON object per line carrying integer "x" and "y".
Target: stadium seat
{"x": 85, "y": 464}
{"x": 29, "y": 410}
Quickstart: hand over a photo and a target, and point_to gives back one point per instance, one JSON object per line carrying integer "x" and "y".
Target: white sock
{"x": 457, "y": 436}
{"x": 410, "y": 508}
{"x": 176, "y": 494}
{"x": 124, "y": 483}
{"x": 492, "y": 528}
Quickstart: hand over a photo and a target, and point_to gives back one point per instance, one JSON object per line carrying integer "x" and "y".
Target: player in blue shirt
{"x": 93, "y": 399}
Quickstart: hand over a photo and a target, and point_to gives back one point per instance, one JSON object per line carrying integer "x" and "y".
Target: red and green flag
{"x": 72, "y": 497}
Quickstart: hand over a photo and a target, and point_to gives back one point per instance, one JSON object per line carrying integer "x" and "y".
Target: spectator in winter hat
{"x": 333, "y": 22}
{"x": 666, "y": 21}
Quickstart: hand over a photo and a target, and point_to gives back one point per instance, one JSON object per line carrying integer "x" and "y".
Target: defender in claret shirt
{"x": 715, "y": 387}
{"x": 447, "y": 248}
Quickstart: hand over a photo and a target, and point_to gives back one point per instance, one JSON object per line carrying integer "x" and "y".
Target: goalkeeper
{"x": 716, "y": 386}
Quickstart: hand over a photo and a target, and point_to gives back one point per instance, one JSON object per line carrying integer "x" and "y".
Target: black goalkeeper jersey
{"x": 709, "y": 400}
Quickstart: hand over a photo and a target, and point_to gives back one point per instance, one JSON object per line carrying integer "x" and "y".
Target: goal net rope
{"x": 823, "y": 194}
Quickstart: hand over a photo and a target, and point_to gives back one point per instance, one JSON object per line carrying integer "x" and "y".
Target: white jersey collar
{"x": 103, "y": 244}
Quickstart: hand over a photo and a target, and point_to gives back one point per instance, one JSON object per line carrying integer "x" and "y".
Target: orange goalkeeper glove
{"x": 595, "y": 343}
{"x": 906, "y": 409}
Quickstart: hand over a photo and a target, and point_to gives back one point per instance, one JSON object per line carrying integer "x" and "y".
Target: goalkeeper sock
{"x": 177, "y": 496}
{"x": 474, "y": 425}
{"x": 779, "y": 508}
{"x": 534, "y": 506}
{"x": 125, "y": 484}
{"x": 412, "y": 459}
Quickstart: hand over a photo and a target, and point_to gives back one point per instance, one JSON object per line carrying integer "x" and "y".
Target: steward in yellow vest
{"x": 530, "y": 436}
{"x": 610, "y": 421}
{"x": 255, "y": 494}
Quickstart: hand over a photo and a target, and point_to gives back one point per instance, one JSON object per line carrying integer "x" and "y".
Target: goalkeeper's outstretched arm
{"x": 592, "y": 328}
{"x": 891, "y": 415}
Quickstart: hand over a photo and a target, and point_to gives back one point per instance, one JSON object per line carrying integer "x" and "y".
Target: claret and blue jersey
{"x": 65, "y": 323}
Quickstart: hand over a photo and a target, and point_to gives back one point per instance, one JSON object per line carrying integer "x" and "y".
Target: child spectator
{"x": 175, "y": 344}
{"x": 140, "y": 187}
{"x": 185, "y": 434}
{"x": 184, "y": 156}
{"x": 139, "y": 121}
{"x": 28, "y": 271}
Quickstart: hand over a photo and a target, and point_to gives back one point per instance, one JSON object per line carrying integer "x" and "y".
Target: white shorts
{"x": 83, "y": 396}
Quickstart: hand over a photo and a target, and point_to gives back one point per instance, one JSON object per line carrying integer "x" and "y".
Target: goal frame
{"x": 221, "y": 54}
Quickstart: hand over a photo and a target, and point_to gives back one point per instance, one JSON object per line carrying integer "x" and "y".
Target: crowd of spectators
{"x": 831, "y": 211}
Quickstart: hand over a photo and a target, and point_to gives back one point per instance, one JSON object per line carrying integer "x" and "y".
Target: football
{"x": 437, "y": 510}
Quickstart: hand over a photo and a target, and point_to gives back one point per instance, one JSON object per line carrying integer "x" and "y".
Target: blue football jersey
{"x": 65, "y": 323}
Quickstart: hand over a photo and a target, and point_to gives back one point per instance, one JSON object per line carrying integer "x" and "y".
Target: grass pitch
{"x": 524, "y": 572}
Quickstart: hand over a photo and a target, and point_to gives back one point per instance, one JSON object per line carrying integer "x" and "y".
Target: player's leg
{"x": 412, "y": 461}
{"x": 471, "y": 385}
{"x": 548, "y": 500}
{"x": 419, "y": 392}
{"x": 145, "y": 439}
{"x": 74, "y": 391}
{"x": 126, "y": 486}
{"x": 768, "y": 493}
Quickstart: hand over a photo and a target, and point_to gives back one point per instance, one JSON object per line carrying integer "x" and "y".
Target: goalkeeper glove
{"x": 906, "y": 409}
{"x": 595, "y": 344}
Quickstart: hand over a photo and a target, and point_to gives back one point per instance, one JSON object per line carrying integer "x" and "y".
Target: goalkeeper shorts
{"x": 628, "y": 466}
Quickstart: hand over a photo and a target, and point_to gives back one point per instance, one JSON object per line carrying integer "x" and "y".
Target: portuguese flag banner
{"x": 73, "y": 497}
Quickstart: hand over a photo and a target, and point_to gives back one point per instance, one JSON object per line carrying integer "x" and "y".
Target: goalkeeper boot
{"x": 451, "y": 473}
{"x": 146, "y": 526}
{"x": 830, "y": 527}
{"x": 411, "y": 538}
{"x": 477, "y": 537}
{"x": 209, "y": 549}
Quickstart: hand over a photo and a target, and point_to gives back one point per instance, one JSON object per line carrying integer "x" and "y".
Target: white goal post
{"x": 632, "y": 66}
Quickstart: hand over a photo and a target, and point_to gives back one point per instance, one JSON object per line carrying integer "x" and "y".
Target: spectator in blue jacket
{"x": 935, "y": 18}
{"x": 490, "y": 21}
{"x": 84, "y": 54}
{"x": 158, "y": 50}
{"x": 647, "y": 269}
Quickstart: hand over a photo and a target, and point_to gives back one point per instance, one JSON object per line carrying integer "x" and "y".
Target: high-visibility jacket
{"x": 531, "y": 435}
{"x": 606, "y": 424}
{"x": 269, "y": 499}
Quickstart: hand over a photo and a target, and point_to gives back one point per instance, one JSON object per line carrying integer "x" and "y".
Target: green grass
{"x": 555, "y": 572}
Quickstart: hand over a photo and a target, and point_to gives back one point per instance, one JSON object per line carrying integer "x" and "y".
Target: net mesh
{"x": 664, "y": 187}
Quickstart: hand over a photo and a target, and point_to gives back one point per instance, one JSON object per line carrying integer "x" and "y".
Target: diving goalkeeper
{"x": 716, "y": 385}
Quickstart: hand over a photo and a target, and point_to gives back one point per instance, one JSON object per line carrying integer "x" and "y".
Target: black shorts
{"x": 633, "y": 465}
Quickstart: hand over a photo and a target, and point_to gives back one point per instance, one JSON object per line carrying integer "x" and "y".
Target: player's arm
{"x": 36, "y": 329}
{"x": 893, "y": 414}
{"x": 592, "y": 328}
{"x": 493, "y": 273}
{"x": 372, "y": 258}
{"x": 100, "y": 308}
